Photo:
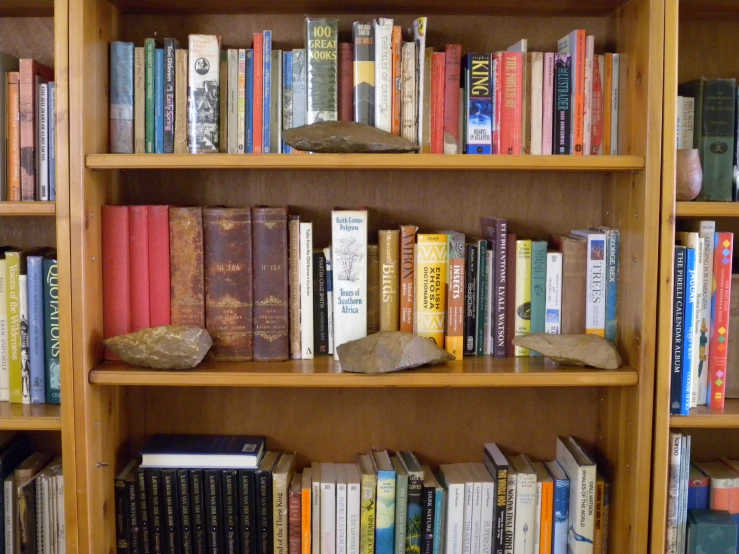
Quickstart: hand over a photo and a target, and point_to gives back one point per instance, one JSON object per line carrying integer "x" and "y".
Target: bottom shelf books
{"x": 382, "y": 503}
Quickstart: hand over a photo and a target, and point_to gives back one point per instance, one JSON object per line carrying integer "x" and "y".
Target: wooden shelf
{"x": 705, "y": 417}
{"x": 707, "y": 209}
{"x": 365, "y": 161}
{"x": 27, "y": 208}
{"x": 324, "y": 372}
{"x": 26, "y": 8}
{"x": 30, "y": 417}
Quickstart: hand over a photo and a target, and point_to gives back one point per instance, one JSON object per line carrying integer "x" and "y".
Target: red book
{"x": 722, "y": 247}
{"x": 116, "y": 293}
{"x": 510, "y": 85}
{"x": 258, "y": 92}
{"x": 346, "y": 82}
{"x": 159, "y": 290}
{"x": 138, "y": 255}
{"x": 579, "y": 94}
{"x": 398, "y": 78}
{"x": 510, "y": 323}
{"x": 596, "y": 135}
{"x": 31, "y": 74}
{"x": 437, "y": 102}
{"x": 497, "y": 80}
{"x": 452, "y": 143}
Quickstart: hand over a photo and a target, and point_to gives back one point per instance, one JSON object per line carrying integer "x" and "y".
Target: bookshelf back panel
{"x": 28, "y": 37}
{"x": 710, "y": 444}
{"x": 699, "y": 57}
{"x": 27, "y": 232}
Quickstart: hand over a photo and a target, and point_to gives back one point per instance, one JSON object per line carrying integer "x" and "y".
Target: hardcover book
{"x": 320, "y": 307}
{"x": 4, "y": 321}
{"x": 159, "y": 270}
{"x": 287, "y": 96}
{"x": 263, "y": 493}
{"x": 170, "y": 499}
{"x": 418, "y": 31}
{"x": 561, "y": 507}
{"x": 452, "y": 79}
{"x": 553, "y": 300}
{"x": 138, "y": 248}
{"x": 14, "y": 137}
{"x": 431, "y": 274}
{"x": 481, "y": 299}
{"x": 407, "y": 276}
{"x": 294, "y": 285}
{"x": 139, "y": 99}
{"x": 574, "y": 274}
{"x": 159, "y": 101}
{"x": 677, "y": 405}
{"x": 408, "y": 87}
{"x": 229, "y": 482}
{"x": 42, "y": 134}
{"x": 479, "y": 106}
{"x": 497, "y": 464}
{"x": 534, "y": 101}
{"x": 470, "y": 299}
{"x": 187, "y": 279}
{"x": 204, "y": 94}
{"x": 425, "y": 107}
{"x": 228, "y": 80}
{"x": 414, "y": 513}
{"x": 385, "y": 505}
{"x": 306, "y": 290}
{"x": 579, "y": 469}
{"x": 538, "y": 286}
{"x": 523, "y": 292}
{"x": 121, "y": 97}
{"x": 383, "y": 32}
{"x": 373, "y": 289}
{"x": 455, "y": 290}
{"x": 180, "y": 101}
{"x": 368, "y": 503}
{"x": 36, "y": 328}
{"x": 722, "y": 246}
{"x": 364, "y": 73}
{"x": 116, "y": 285}
{"x": 321, "y": 69}
{"x": 389, "y": 248}
{"x": 249, "y": 102}
{"x": 171, "y": 45}
{"x": 346, "y": 81}
{"x": 299, "y": 87}
{"x": 32, "y": 74}
{"x": 341, "y": 508}
{"x": 397, "y": 79}
{"x": 258, "y": 100}
{"x": 547, "y": 122}
{"x": 149, "y": 71}
{"x": 185, "y": 511}
{"x": 281, "y": 478}
{"x": 562, "y": 116}
{"x": 276, "y": 103}
{"x": 267, "y": 81}
{"x": 595, "y": 305}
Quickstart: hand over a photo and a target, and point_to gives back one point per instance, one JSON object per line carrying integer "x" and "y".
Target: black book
{"x": 264, "y": 502}
{"x": 203, "y": 451}
{"x": 247, "y": 511}
{"x": 364, "y": 73}
{"x": 185, "y": 515}
{"x": 27, "y": 516}
{"x": 320, "y": 309}
{"x": 497, "y": 465}
{"x": 198, "y": 511}
{"x": 231, "y": 511}
{"x": 561, "y": 143}
{"x": 170, "y": 45}
{"x": 156, "y": 511}
{"x": 470, "y": 300}
{"x": 212, "y": 498}
{"x": 171, "y": 510}
{"x": 414, "y": 509}
{"x": 427, "y": 499}
{"x": 135, "y": 545}
{"x": 143, "y": 504}
{"x": 678, "y": 330}
{"x": 125, "y": 528}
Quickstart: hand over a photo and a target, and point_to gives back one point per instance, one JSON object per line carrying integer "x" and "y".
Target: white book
{"x": 353, "y": 501}
{"x": 408, "y": 110}
{"x": 580, "y": 470}
{"x": 510, "y": 508}
{"x": 42, "y": 148}
{"x": 11, "y": 513}
{"x": 62, "y": 531}
{"x": 614, "y": 104}
{"x": 595, "y": 303}
{"x": 536, "y": 99}
{"x": 418, "y": 32}
{"x": 687, "y": 119}
{"x": 4, "y": 368}
{"x": 298, "y": 87}
{"x": 315, "y": 508}
{"x": 454, "y": 485}
{"x": 330, "y": 297}
{"x": 525, "y": 505}
{"x": 203, "y": 127}
{"x": 469, "y": 486}
{"x": 476, "y": 508}
{"x": 537, "y": 516}
{"x": 547, "y": 110}
{"x": 553, "y": 300}
{"x": 281, "y": 477}
{"x": 341, "y": 494}
{"x": 487, "y": 506}
{"x": 587, "y": 140}
{"x": 383, "y": 73}
{"x": 328, "y": 508}
{"x": 489, "y": 345}
{"x": 306, "y": 290}
{"x": 694, "y": 241}
{"x": 25, "y": 358}
{"x": 679, "y": 124}
{"x": 232, "y": 139}
{"x": 349, "y": 265}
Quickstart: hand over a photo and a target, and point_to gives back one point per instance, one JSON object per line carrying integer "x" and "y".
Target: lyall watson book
{"x": 479, "y": 107}
{"x": 321, "y": 70}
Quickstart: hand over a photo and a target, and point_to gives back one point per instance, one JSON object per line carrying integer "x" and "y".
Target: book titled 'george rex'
{"x": 321, "y": 69}
{"x": 203, "y": 451}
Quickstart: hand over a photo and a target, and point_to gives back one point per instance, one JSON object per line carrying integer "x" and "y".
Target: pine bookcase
{"x": 446, "y": 413}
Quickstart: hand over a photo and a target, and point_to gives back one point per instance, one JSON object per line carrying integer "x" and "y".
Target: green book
{"x": 538, "y": 287}
{"x": 13, "y": 266}
{"x": 149, "y": 51}
{"x": 482, "y": 295}
{"x": 711, "y": 531}
{"x": 401, "y": 504}
{"x": 51, "y": 329}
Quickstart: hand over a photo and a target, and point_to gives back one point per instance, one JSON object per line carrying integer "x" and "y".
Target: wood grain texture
{"x": 704, "y": 416}
{"x": 27, "y": 8}
{"x": 27, "y": 37}
{"x": 697, "y": 56}
{"x": 19, "y": 209}
{"x": 707, "y": 209}
{"x": 27, "y": 232}
{"x": 30, "y": 417}
{"x": 711, "y": 444}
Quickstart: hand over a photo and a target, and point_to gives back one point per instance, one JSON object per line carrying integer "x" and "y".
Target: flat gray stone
{"x": 346, "y": 137}
{"x": 389, "y": 351}
{"x": 165, "y": 347}
{"x": 583, "y": 350}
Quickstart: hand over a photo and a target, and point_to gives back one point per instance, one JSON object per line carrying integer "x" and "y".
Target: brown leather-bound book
{"x": 227, "y": 237}
{"x": 187, "y": 278}
{"x": 574, "y": 278}
{"x": 510, "y": 322}
{"x": 346, "y": 82}
{"x": 31, "y": 74}
{"x": 373, "y": 289}
{"x": 271, "y": 323}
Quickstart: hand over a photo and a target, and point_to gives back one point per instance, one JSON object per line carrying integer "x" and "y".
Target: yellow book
{"x": 523, "y": 292}
{"x": 431, "y": 275}
{"x": 305, "y": 523}
{"x": 12, "y": 286}
{"x": 600, "y": 491}
{"x": 367, "y": 507}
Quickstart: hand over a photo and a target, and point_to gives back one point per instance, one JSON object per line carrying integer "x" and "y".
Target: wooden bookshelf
{"x": 707, "y": 209}
{"x": 27, "y": 208}
{"x": 30, "y": 417}
{"x": 711, "y": 418}
{"x": 27, "y": 8}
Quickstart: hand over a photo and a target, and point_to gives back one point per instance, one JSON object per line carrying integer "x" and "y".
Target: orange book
{"x": 305, "y": 523}
{"x": 258, "y": 92}
{"x": 438, "y": 71}
{"x": 607, "y": 101}
{"x": 407, "y": 276}
{"x": 544, "y": 479}
{"x": 397, "y": 46}
{"x": 14, "y": 137}
{"x": 600, "y": 492}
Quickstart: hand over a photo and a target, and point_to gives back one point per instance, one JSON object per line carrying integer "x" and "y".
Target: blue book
{"x": 678, "y": 330}
{"x": 51, "y": 330}
{"x": 698, "y": 489}
{"x": 438, "y": 517}
{"x": 36, "y": 328}
{"x": 561, "y": 507}
{"x": 287, "y": 96}
{"x": 613, "y": 247}
{"x": 249, "y": 108}
{"x": 121, "y": 97}
{"x": 267, "y": 96}
{"x": 538, "y": 287}
{"x": 159, "y": 101}
{"x": 478, "y": 107}
{"x": 299, "y": 87}
{"x": 52, "y": 141}
{"x": 691, "y": 284}
{"x": 385, "y": 510}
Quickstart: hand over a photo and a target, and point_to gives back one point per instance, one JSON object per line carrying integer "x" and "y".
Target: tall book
{"x": 364, "y": 73}
{"x": 385, "y": 504}
{"x": 401, "y": 504}
{"x": 267, "y": 81}
{"x": 36, "y": 327}
{"x": 389, "y": 248}
{"x": 544, "y": 507}
{"x": 574, "y": 44}
{"x": 535, "y": 76}
{"x": 595, "y": 305}
{"x": 287, "y": 96}
{"x": 349, "y": 261}
{"x": 257, "y": 102}
{"x": 281, "y": 478}
{"x": 138, "y": 254}
{"x": 320, "y": 305}
{"x": 414, "y": 513}
{"x": 180, "y": 101}
{"x": 231, "y": 524}
{"x": 13, "y": 160}
{"x": 677, "y": 405}
{"x": 4, "y": 321}
{"x": 121, "y": 97}
{"x": 452, "y": 79}
{"x": 52, "y": 366}
{"x": 587, "y": 138}
{"x": 159, "y": 270}
{"x": 397, "y": 77}
{"x": 722, "y": 247}
{"x": 368, "y": 504}
{"x": 199, "y": 524}
{"x": 276, "y": 103}
{"x": 170, "y": 84}
{"x": 315, "y": 508}
{"x": 478, "y": 112}
{"x": 454, "y": 485}
{"x": 509, "y": 102}
{"x": 306, "y": 290}
{"x": 187, "y": 277}
{"x": 455, "y": 289}
{"x": 264, "y": 492}
{"x": 563, "y": 106}
{"x": 306, "y": 518}
{"x": 494, "y": 231}
{"x": 341, "y": 508}
{"x": 417, "y": 31}
{"x": 430, "y": 507}
{"x": 383, "y": 34}
{"x": 230, "y": 111}
{"x": 9, "y": 73}
{"x": 299, "y": 87}
{"x": 613, "y": 249}
{"x": 249, "y": 102}
{"x": 346, "y": 81}
{"x": 425, "y": 108}
{"x": 150, "y": 105}
{"x": 481, "y": 310}
{"x": 580, "y": 469}
{"x": 227, "y": 239}
{"x": 689, "y": 326}
{"x": 293, "y": 228}
{"x": 471, "y": 511}
{"x": 204, "y": 94}
{"x": 353, "y": 508}
{"x": 523, "y": 292}
{"x": 407, "y": 276}
{"x": 525, "y": 526}
{"x": 116, "y": 284}
{"x": 159, "y": 101}
{"x": 538, "y": 286}
{"x": 185, "y": 512}
{"x": 574, "y": 274}
{"x": 553, "y": 294}
{"x": 471, "y": 283}
{"x": 497, "y": 464}
{"x": 408, "y": 88}
{"x": 438, "y": 87}
{"x": 321, "y": 70}
{"x": 561, "y": 507}
{"x": 547, "y": 104}
{"x": 42, "y": 132}
{"x": 431, "y": 274}
{"x": 32, "y": 74}
{"x": 487, "y": 505}
{"x": 328, "y": 508}
{"x": 139, "y": 99}
{"x": 373, "y": 289}
{"x": 596, "y": 106}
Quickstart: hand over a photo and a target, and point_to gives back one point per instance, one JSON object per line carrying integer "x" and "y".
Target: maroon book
{"x": 346, "y": 82}
{"x": 138, "y": 252}
{"x": 187, "y": 279}
{"x": 510, "y": 319}
{"x": 294, "y": 514}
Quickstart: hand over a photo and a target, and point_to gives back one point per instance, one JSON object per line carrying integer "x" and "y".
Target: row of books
{"x": 28, "y": 133}
{"x": 165, "y": 99}
{"x": 32, "y": 498}
{"x": 703, "y": 502}
{"x": 185, "y": 497}
{"x": 700, "y": 330}
{"x": 185, "y": 266}
{"x": 29, "y": 326}
{"x": 707, "y": 120}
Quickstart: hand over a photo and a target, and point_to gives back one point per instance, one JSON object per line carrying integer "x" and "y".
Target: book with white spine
{"x": 306, "y": 290}
{"x": 588, "y": 100}
{"x": 687, "y": 118}
{"x": 418, "y": 33}
{"x": 353, "y": 500}
{"x": 408, "y": 105}
{"x": 383, "y": 28}
{"x": 232, "y": 86}
{"x": 42, "y": 149}
{"x": 536, "y": 95}
{"x": 315, "y": 469}
{"x": 553, "y": 300}
{"x": 454, "y": 485}
{"x": 694, "y": 241}
{"x": 487, "y": 507}
{"x": 510, "y": 507}
{"x": 525, "y": 505}
{"x": 476, "y": 509}
{"x": 341, "y": 508}
{"x": 580, "y": 470}
{"x": 328, "y": 508}
{"x": 469, "y": 488}
{"x": 595, "y": 303}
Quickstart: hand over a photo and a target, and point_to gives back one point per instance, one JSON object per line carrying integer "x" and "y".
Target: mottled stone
{"x": 165, "y": 347}
{"x": 389, "y": 351}
{"x": 346, "y": 137}
{"x": 584, "y": 350}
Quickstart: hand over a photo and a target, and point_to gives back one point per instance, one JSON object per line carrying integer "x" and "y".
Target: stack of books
{"x": 228, "y": 494}
{"x": 254, "y": 279}
{"x": 166, "y": 99}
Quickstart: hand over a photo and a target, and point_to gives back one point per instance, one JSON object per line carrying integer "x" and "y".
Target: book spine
{"x": 306, "y": 291}
{"x": 401, "y": 511}
{"x": 287, "y": 96}
{"x": 171, "y": 511}
{"x": 510, "y": 513}
{"x": 373, "y": 288}
{"x": 425, "y": 107}
{"x": 138, "y": 248}
{"x": 328, "y": 518}
{"x": 511, "y": 289}
{"x": 121, "y": 97}
{"x": 418, "y": 33}
{"x": 170, "y": 84}
{"x": 139, "y": 99}
{"x": 489, "y": 347}
{"x": 598, "y": 526}
{"x": 199, "y": 525}
{"x": 42, "y": 132}
{"x": 122, "y": 530}
{"x": 595, "y": 307}
{"x": 294, "y": 286}
{"x": 500, "y": 474}
{"x": 247, "y": 511}
{"x": 353, "y": 526}
{"x": 187, "y": 277}
{"x": 545, "y": 519}
{"x": 596, "y": 107}
{"x": 478, "y": 108}
{"x": 547, "y": 105}
{"x": 614, "y": 104}
{"x": 276, "y": 103}
{"x": 719, "y": 98}
{"x": 229, "y": 101}
{"x": 159, "y": 101}
{"x": 413, "y": 541}
{"x": 389, "y": 249}
{"x": 36, "y": 329}
{"x": 500, "y": 296}
{"x": 305, "y": 521}
{"x": 511, "y": 85}
{"x": 561, "y": 135}
{"x": 227, "y": 241}
{"x": 213, "y": 513}
{"x": 156, "y": 511}
{"x": 271, "y": 320}
{"x": 316, "y": 512}
{"x": 431, "y": 264}
{"x": 52, "y": 141}
{"x": 364, "y": 73}
{"x": 538, "y": 286}
{"x": 454, "y": 520}
{"x": 4, "y": 344}
{"x": 27, "y": 98}
{"x": 671, "y": 535}
{"x": 482, "y": 294}
{"x": 267, "y": 93}
{"x": 294, "y": 522}
{"x": 320, "y": 308}
{"x": 452, "y": 79}
{"x": 159, "y": 271}
{"x": 185, "y": 510}
{"x": 687, "y": 119}
{"x": 397, "y": 79}
{"x": 116, "y": 284}
{"x": 427, "y": 529}
{"x": 553, "y": 302}
{"x": 385, "y": 513}
{"x": 231, "y": 535}
{"x": 321, "y": 70}
{"x": 258, "y": 91}
{"x": 367, "y": 515}
{"x": 438, "y": 88}
{"x": 588, "y": 95}
{"x": 133, "y": 516}
{"x": 561, "y": 516}
{"x": 14, "y": 137}
{"x": 180, "y": 102}
{"x": 203, "y": 94}
{"x": 455, "y": 290}
{"x": 383, "y": 33}
{"x": 678, "y": 330}
{"x": 704, "y": 327}
{"x": 535, "y": 101}
{"x": 329, "y": 298}
{"x": 577, "y": 49}
{"x": 525, "y": 512}
{"x": 722, "y": 247}
{"x": 408, "y": 123}
{"x": 150, "y": 70}
{"x": 249, "y": 103}
{"x": 407, "y": 276}
{"x": 346, "y": 82}
{"x": 143, "y": 510}
{"x": 523, "y": 291}
{"x": 470, "y": 322}
{"x": 240, "y": 101}
{"x": 613, "y": 238}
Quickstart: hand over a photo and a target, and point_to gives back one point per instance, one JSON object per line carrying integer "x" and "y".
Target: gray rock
{"x": 165, "y": 347}
{"x": 389, "y": 351}
{"x": 346, "y": 137}
{"x": 584, "y": 350}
